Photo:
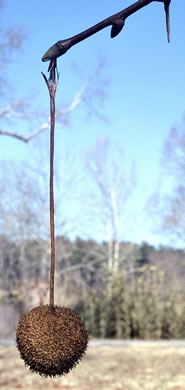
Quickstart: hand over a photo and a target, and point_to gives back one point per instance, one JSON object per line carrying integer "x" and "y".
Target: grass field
{"x": 132, "y": 367}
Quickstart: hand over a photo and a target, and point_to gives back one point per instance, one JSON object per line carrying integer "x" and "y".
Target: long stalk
{"x": 52, "y": 85}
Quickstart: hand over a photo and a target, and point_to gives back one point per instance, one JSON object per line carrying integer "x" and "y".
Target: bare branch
{"x": 10, "y": 112}
{"x": 117, "y": 22}
{"x": 87, "y": 266}
{"x": 93, "y": 86}
{"x": 14, "y": 110}
{"x": 14, "y": 135}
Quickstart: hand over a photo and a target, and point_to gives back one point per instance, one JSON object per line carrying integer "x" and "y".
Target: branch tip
{"x": 167, "y": 13}
{"x": 45, "y": 78}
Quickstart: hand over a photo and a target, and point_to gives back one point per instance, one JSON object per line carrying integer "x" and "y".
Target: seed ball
{"x": 51, "y": 340}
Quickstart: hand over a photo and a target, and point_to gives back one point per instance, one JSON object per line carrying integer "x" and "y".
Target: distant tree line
{"x": 144, "y": 298}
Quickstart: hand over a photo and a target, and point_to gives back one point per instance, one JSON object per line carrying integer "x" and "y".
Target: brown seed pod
{"x": 51, "y": 340}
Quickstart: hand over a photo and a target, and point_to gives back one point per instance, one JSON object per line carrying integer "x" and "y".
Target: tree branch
{"x": 45, "y": 126}
{"x": 117, "y": 22}
{"x": 14, "y": 110}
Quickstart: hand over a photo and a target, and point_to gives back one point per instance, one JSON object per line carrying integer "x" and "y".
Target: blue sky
{"x": 146, "y": 93}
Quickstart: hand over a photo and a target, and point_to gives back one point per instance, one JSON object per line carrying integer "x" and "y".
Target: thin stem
{"x": 51, "y": 84}
{"x": 52, "y": 218}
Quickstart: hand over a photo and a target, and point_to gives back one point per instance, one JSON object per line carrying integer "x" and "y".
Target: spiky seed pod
{"x": 51, "y": 340}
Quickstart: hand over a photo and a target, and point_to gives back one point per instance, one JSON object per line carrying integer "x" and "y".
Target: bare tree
{"x": 113, "y": 188}
{"x": 168, "y": 201}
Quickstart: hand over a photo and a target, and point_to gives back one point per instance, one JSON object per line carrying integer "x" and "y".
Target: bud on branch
{"x": 117, "y": 22}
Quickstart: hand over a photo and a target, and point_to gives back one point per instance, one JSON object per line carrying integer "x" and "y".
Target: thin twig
{"x": 117, "y": 22}
{"x": 167, "y": 12}
{"x": 52, "y": 85}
